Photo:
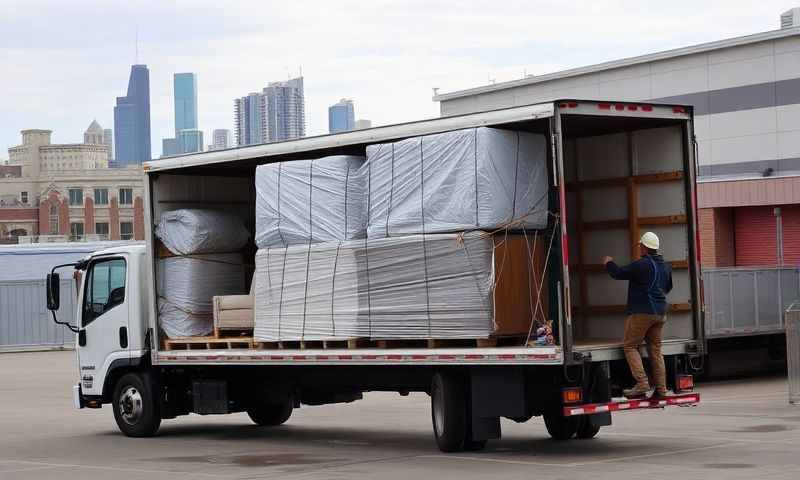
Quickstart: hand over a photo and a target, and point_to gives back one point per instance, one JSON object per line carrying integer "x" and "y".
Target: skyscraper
{"x": 285, "y": 110}
{"x": 185, "y": 91}
{"x": 276, "y": 114}
{"x": 132, "y": 120}
{"x": 108, "y": 139}
{"x": 187, "y": 138}
{"x": 341, "y": 116}
{"x": 251, "y": 127}
{"x": 221, "y": 138}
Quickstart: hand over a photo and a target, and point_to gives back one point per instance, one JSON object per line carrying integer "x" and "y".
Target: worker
{"x": 649, "y": 282}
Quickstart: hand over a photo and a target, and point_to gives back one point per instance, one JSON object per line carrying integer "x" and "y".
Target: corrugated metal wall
{"x": 25, "y": 321}
{"x": 791, "y": 235}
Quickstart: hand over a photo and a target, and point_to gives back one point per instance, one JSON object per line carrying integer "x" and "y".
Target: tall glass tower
{"x": 185, "y": 88}
{"x": 132, "y": 120}
{"x": 341, "y": 116}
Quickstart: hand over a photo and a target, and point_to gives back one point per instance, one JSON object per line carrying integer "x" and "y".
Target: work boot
{"x": 658, "y": 395}
{"x": 639, "y": 391}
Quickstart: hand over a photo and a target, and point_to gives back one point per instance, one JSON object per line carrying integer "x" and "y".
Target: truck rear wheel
{"x": 135, "y": 404}
{"x": 560, "y": 427}
{"x": 271, "y": 415}
{"x": 449, "y": 412}
{"x": 586, "y": 430}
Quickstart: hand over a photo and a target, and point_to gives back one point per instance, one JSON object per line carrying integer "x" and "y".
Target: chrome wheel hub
{"x": 130, "y": 405}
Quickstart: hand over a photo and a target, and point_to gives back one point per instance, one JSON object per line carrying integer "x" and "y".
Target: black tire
{"x": 449, "y": 412}
{"x": 560, "y": 427}
{"x": 474, "y": 445}
{"x": 586, "y": 430}
{"x": 136, "y": 406}
{"x": 271, "y": 415}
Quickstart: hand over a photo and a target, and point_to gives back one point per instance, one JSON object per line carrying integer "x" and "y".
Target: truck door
{"x": 104, "y": 327}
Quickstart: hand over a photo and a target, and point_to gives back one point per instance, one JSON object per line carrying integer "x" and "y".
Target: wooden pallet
{"x": 207, "y": 343}
{"x": 230, "y": 342}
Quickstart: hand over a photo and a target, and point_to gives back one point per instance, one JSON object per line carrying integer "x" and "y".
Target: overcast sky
{"x": 65, "y": 61}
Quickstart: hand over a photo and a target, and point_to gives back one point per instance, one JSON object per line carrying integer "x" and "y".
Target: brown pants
{"x": 639, "y": 327}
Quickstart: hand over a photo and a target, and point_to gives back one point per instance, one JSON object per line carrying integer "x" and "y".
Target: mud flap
{"x": 494, "y": 393}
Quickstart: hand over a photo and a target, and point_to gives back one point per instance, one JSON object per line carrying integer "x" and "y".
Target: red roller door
{"x": 791, "y": 234}
{"x": 755, "y": 236}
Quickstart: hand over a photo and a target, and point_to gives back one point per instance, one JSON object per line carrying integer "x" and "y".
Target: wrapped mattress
{"x": 477, "y": 178}
{"x": 188, "y": 231}
{"x": 304, "y": 201}
{"x": 186, "y": 286}
{"x": 413, "y": 287}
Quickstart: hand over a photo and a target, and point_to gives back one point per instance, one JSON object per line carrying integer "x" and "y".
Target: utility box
{"x": 793, "y": 351}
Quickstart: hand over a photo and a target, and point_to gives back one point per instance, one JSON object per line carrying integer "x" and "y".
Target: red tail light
{"x": 685, "y": 383}
{"x": 678, "y": 110}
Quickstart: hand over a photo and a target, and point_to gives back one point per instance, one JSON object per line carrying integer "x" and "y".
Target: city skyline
{"x": 274, "y": 115}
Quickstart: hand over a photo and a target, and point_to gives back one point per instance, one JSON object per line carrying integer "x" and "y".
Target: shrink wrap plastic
{"x": 319, "y": 200}
{"x": 477, "y": 178}
{"x": 185, "y": 288}
{"x": 188, "y": 231}
{"x": 412, "y": 287}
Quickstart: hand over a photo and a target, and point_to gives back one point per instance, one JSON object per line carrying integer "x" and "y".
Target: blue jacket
{"x": 650, "y": 280}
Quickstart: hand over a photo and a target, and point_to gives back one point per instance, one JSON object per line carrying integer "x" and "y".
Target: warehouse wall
{"x": 716, "y": 237}
{"x": 747, "y": 101}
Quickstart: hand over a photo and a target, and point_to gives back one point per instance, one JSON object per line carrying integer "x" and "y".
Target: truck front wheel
{"x": 271, "y": 415}
{"x": 136, "y": 407}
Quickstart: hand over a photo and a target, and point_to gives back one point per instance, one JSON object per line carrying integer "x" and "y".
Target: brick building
{"x": 67, "y": 192}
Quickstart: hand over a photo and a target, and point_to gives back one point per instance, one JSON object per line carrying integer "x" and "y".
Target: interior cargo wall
{"x": 619, "y": 186}
{"x": 228, "y": 194}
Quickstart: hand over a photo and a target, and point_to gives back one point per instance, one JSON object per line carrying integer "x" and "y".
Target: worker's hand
{"x": 607, "y": 259}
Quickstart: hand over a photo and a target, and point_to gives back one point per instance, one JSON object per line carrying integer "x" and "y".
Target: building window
{"x": 23, "y": 197}
{"x": 101, "y": 196}
{"x": 75, "y": 197}
{"x": 126, "y": 230}
{"x": 101, "y": 228}
{"x": 125, "y": 196}
{"x": 75, "y": 231}
{"x": 53, "y": 220}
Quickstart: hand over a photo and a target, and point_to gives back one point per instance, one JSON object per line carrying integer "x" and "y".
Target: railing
{"x": 25, "y": 322}
{"x": 744, "y": 301}
{"x": 793, "y": 351}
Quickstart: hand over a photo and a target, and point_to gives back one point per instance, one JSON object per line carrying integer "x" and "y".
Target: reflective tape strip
{"x": 590, "y": 409}
{"x": 365, "y": 357}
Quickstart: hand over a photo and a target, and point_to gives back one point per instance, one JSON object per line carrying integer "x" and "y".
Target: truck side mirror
{"x": 53, "y": 291}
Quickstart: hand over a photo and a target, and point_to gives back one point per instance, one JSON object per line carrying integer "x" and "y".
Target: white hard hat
{"x": 650, "y": 240}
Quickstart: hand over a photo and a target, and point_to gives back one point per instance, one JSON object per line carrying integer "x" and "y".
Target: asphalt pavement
{"x": 742, "y": 429}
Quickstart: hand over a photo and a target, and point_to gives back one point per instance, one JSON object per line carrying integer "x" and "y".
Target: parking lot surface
{"x": 742, "y": 429}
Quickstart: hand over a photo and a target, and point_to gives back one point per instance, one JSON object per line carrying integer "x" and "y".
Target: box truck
{"x": 613, "y": 171}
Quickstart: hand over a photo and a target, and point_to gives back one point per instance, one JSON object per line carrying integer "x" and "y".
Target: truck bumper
{"x": 682, "y": 400}
{"x": 77, "y": 397}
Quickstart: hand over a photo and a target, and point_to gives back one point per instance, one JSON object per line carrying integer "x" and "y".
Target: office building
{"x": 62, "y": 192}
{"x": 363, "y": 123}
{"x": 746, "y": 97}
{"x": 341, "y": 116}
{"x": 276, "y": 114}
{"x": 221, "y": 139}
{"x": 249, "y": 118}
{"x": 108, "y": 139}
{"x": 285, "y": 109}
{"x": 187, "y": 139}
{"x": 132, "y": 120}
{"x": 94, "y": 134}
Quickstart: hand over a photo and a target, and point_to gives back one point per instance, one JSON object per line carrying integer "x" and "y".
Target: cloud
{"x": 65, "y": 62}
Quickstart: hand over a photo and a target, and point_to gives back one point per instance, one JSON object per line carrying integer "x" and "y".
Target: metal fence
{"x": 25, "y": 322}
{"x": 748, "y": 301}
{"x": 793, "y": 351}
